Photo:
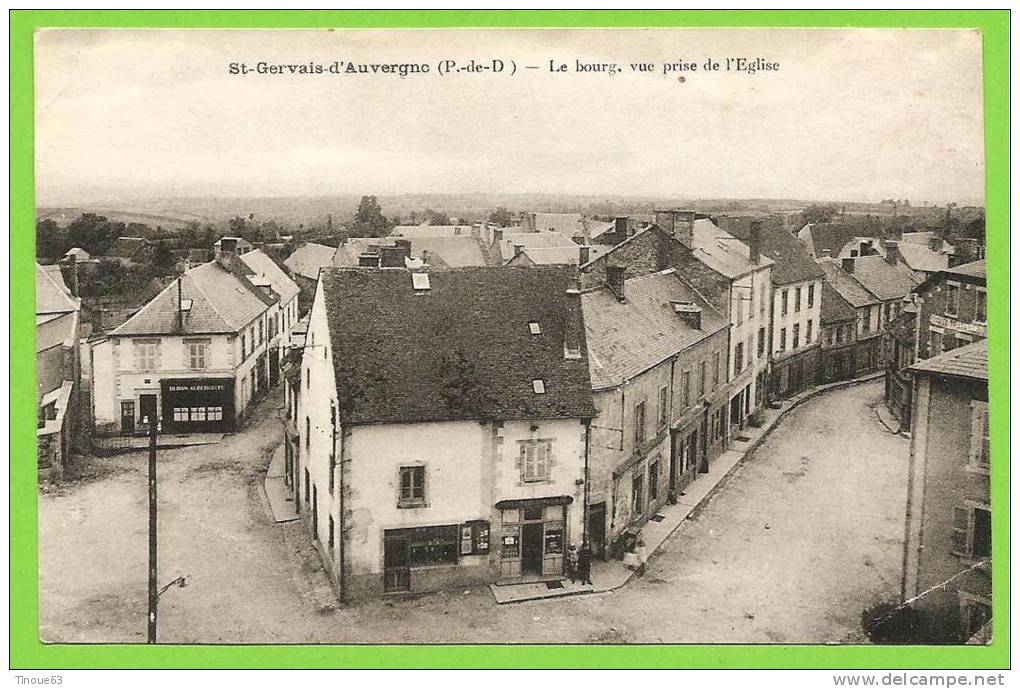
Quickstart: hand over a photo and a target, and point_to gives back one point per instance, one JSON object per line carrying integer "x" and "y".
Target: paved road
{"x": 804, "y": 536}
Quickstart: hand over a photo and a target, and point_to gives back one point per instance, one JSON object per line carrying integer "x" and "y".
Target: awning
{"x": 534, "y": 502}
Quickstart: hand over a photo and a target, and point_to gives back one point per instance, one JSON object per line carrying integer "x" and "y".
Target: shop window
{"x": 214, "y": 413}
{"x": 535, "y": 460}
{"x": 637, "y": 492}
{"x": 432, "y": 545}
{"x": 554, "y": 538}
{"x": 510, "y": 548}
{"x": 197, "y": 355}
{"x": 412, "y": 486}
{"x": 198, "y": 414}
{"x": 474, "y": 538}
{"x": 180, "y": 413}
{"x": 979, "y": 437}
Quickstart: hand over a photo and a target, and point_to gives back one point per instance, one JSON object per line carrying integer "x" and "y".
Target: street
{"x": 804, "y": 536}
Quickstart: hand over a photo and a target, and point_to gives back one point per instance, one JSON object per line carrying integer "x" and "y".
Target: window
{"x": 738, "y": 358}
{"x": 809, "y": 334}
{"x": 738, "y": 308}
{"x": 786, "y": 301}
{"x": 701, "y": 379}
{"x": 412, "y": 486}
{"x": 810, "y": 296}
{"x": 637, "y": 491}
{"x": 536, "y": 460}
{"x": 686, "y": 386}
{"x": 796, "y": 300}
{"x": 952, "y": 299}
{"x": 332, "y": 537}
{"x": 782, "y": 339}
{"x": 864, "y": 318}
{"x": 796, "y": 335}
{"x": 538, "y": 385}
{"x": 196, "y": 355}
{"x": 534, "y": 328}
{"x": 978, "y": 457}
{"x": 663, "y": 406}
{"x": 308, "y": 431}
{"x": 244, "y": 347}
{"x": 934, "y": 342}
{"x": 146, "y": 355}
{"x": 762, "y": 299}
{"x": 432, "y": 545}
{"x": 715, "y": 369}
{"x": 180, "y": 413}
{"x": 972, "y": 532}
{"x": 981, "y": 312}
{"x": 262, "y": 331}
{"x": 761, "y": 342}
{"x": 653, "y": 481}
{"x": 639, "y": 423}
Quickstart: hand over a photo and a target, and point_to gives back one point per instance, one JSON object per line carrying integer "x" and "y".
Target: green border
{"x": 27, "y": 652}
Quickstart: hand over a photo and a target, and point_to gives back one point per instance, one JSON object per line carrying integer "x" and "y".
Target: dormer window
{"x": 538, "y": 385}
{"x": 535, "y": 328}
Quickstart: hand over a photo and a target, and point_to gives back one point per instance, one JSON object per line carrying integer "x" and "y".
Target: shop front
{"x": 196, "y": 405}
{"x": 533, "y": 537}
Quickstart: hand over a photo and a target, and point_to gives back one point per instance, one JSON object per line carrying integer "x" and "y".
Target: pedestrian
{"x": 642, "y": 556}
{"x": 584, "y": 564}
{"x": 572, "y": 563}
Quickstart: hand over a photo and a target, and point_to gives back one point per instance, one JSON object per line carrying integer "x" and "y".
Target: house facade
{"x": 195, "y": 357}
{"x": 657, "y": 353}
{"x": 855, "y": 349}
{"x": 948, "y": 537}
{"x": 451, "y": 451}
{"x": 284, "y": 313}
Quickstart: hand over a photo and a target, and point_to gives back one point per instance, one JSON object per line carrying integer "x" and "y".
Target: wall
{"x": 964, "y": 326}
{"x": 942, "y": 480}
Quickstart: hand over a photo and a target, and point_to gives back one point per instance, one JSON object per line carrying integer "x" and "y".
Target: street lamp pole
{"x": 153, "y": 593}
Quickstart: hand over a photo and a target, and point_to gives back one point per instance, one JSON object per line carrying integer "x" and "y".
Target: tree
{"x": 818, "y": 213}
{"x": 50, "y": 240}
{"x": 501, "y": 217}
{"x": 162, "y": 259}
{"x": 92, "y": 232}
{"x": 436, "y": 217}
{"x": 369, "y": 220}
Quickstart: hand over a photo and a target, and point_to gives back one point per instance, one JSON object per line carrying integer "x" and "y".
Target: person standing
{"x": 641, "y": 551}
{"x": 572, "y": 563}
{"x": 584, "y": 564}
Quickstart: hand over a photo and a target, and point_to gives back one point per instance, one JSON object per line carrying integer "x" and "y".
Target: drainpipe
{"x": 584, "y": 511}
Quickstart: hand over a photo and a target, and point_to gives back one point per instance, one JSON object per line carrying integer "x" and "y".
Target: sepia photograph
{"x": 512, "y": 336}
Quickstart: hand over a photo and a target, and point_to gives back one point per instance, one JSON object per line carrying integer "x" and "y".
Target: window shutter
{"x": 961, "y": 523}
{"x": 978, "y": 456}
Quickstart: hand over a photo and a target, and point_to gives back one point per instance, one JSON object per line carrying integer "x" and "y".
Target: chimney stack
{"x": 518, "y": 249}
{"x": 892, "y": 253}
{"x": 392, "y": 256}
{"x": 620, "y": 227}
{"x": 848, "y": 265}
{"x": 754, "y": 242}
{"x": 497, "y": 236}
{"x": 72, "y": 273}
{"x": 405, "y": 246}
{"x": 678, "y": 223}
{"x": 616, "y": 276}
{"x": 583, "y": 254}
{"x": 689, "y": 312}
{"x": 228, "y": 245}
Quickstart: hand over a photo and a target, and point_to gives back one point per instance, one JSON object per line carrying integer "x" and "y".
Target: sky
{"x": 855, "y": 115}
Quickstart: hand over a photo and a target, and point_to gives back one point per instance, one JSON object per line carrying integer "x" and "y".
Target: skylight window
{"x": 538, "y": 385}
{"x": 420, "y": 281}
{"x": 535, "y": 328}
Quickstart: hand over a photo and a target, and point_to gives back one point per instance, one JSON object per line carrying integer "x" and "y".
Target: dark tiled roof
{"x": 884, "y": 280}
{"x": 975, "y": 269}
{"x": 792, "y": 261}
{"x": 969, "y": 361}
{"x": 222, "y": 302}
{"x": 627, "y": 338}
{"x": 834, "y": 307}
{"x": 831, "y": 237}
{"x": 51, "y": 297}
{"x": 459, "y": 350}
{"x": 845, "y": 284}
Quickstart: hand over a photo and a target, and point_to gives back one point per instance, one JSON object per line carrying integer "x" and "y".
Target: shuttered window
{"x": 979, "y": 440}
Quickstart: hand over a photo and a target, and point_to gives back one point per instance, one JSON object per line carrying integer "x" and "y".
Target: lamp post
{"x": 153, "y": 593}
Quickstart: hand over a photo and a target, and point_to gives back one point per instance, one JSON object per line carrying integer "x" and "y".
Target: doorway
{"x": 397, "y": 571}
{"x": 127, "y": 417}
{"x": 531, "y": 549}
{"x": 147, "y": 409}
{"x": 597, "y": 529}
{"x": 274, "y": 366}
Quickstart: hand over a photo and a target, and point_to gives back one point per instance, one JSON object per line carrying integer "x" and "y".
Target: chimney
{"x": 848, "y": 265}
{"x": 228, "y": 245}
{"x": 518, "y": 248}
{"x": 405, "y": 246}
{"x": 573, "y": 325}
{"x": 616, "y": 276}
{"x": 392, "y": 257}
{"x": 892, "y": 253}
{"x": 497, "y": 236}
{"x": 688, "y": 312}
{"x": 620, "y": 228}
{"x": 583, "y": 254}
{"x": 678, "y": 223}
{"x": 754, "y": 242}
